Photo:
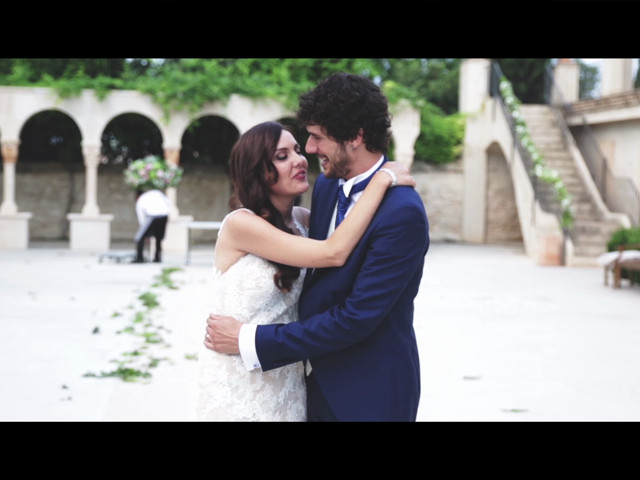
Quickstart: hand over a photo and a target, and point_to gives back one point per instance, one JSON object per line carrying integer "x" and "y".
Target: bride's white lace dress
{"x": 226, "y": 390}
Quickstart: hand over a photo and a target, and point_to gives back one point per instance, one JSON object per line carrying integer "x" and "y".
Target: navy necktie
{"x": 344, "y": 201}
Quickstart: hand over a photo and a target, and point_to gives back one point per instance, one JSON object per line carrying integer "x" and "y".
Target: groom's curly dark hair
{"x": 342, "y": 104}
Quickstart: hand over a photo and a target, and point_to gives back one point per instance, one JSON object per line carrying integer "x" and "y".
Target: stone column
{"x": 91, "y": 161}
{"x": 14, "y": 225}
{"x": 474, "y": 84}
{"x": 405, "y": 131}
{"x": 616, "y": 76}
{"x": 475, "y": 101}
{"x": 10, "y": 156}
{"x": 177, "y": 235}
{"x": 567, "y": 82}
{"x": 89, "y": 230}
{"x": 172, "y": 156}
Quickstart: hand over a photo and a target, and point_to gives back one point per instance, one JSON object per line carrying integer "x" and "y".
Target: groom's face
{"x": 334, "y": 159}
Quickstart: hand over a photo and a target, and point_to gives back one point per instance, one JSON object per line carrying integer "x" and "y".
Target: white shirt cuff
{"x": 247, "y": 346}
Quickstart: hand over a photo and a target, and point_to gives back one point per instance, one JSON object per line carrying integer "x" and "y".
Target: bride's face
{"x": 292, "y": 167}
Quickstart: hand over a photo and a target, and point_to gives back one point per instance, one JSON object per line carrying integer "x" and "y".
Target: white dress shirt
{"x": 149, "y": 205}
{"x": 247, "y": 336}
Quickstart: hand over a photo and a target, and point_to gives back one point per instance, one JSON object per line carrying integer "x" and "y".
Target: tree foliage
{"x": 187, "y": 84}
{"x": 441, "y": 136}
{"x": 589, "y": 78}
{"x": 433, "y": 80}
{"x": 526, "y": 76}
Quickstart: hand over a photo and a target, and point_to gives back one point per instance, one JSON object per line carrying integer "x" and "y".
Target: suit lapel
{"x": 324, "y": 202}
{"x": 321, "y": 213}
{"x": 322, "y": 207}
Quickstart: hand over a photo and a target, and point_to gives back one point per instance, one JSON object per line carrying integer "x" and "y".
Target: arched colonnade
{"x": 90, "y": 228}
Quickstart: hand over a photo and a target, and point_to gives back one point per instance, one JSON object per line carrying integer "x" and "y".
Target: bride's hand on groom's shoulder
{"x": 222, "y": 334}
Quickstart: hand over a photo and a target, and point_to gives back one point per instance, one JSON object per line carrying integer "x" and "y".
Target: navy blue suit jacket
{"x": 356, "y": 321}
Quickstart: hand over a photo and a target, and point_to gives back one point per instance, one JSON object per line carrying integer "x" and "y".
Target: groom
{"x": 355, "y": 322}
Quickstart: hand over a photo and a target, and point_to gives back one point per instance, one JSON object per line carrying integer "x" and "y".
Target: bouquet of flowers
{"x": 152, "y": 172}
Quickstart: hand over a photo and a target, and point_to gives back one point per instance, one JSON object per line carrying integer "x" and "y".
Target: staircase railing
{"x": 620, "y": 194}
{"x": 539, "y": 188}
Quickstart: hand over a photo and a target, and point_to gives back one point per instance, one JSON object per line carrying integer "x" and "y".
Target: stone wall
{"x": 50, "y": 192}
{"x": 503, "y": 224}
{"x": 441, "y": 190}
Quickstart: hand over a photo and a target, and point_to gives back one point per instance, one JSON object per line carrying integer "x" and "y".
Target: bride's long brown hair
{"x": 252, "y": 174}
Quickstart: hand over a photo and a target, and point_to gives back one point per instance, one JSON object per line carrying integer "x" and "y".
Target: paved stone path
{"x": 501, "y": 339}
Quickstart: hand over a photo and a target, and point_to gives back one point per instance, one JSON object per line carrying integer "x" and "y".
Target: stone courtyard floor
{"x": 501, "y": 339}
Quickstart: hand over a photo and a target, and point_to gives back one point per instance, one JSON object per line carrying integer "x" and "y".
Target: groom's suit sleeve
{"x": 376, "y": 276}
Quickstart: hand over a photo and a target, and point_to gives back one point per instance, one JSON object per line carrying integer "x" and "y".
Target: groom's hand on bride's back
{"x": 222, "y": 334}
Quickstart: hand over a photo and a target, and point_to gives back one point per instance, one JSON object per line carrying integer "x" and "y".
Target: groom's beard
{"x": 339, "y": 165}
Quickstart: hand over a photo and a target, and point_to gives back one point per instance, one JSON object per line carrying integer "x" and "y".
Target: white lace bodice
{"x": 227, "y": 391}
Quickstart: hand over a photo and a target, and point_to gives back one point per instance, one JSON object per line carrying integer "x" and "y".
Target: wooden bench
{"x": 627, "y": 258}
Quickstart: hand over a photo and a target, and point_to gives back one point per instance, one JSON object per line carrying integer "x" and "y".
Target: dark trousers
{"x": 317, "y": 407}
{"x": 156, "y": 229}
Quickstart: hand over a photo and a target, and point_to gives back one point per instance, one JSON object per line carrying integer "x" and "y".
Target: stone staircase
{"x": 591, "y": 230}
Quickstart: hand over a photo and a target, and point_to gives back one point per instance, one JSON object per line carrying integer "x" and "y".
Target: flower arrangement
{"x": 540, "y": 169}
{"x": 152, "y": 172}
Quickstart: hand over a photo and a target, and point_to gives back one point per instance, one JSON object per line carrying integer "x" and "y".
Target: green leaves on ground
{"x": 137, "y": 364}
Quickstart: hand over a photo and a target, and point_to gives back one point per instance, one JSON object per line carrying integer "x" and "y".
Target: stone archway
{"x": 50, "y": 173}
{"x": 128, "y": 137}
{"x": 502, "y": 222}
{"x": 208, "y": 141}
{"x": 91, "y": 221}
{"x": 125, "y": 138}
{"x": 204, "y": 157}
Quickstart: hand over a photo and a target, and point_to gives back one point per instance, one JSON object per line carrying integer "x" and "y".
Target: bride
{"x": 261, "y": 256}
